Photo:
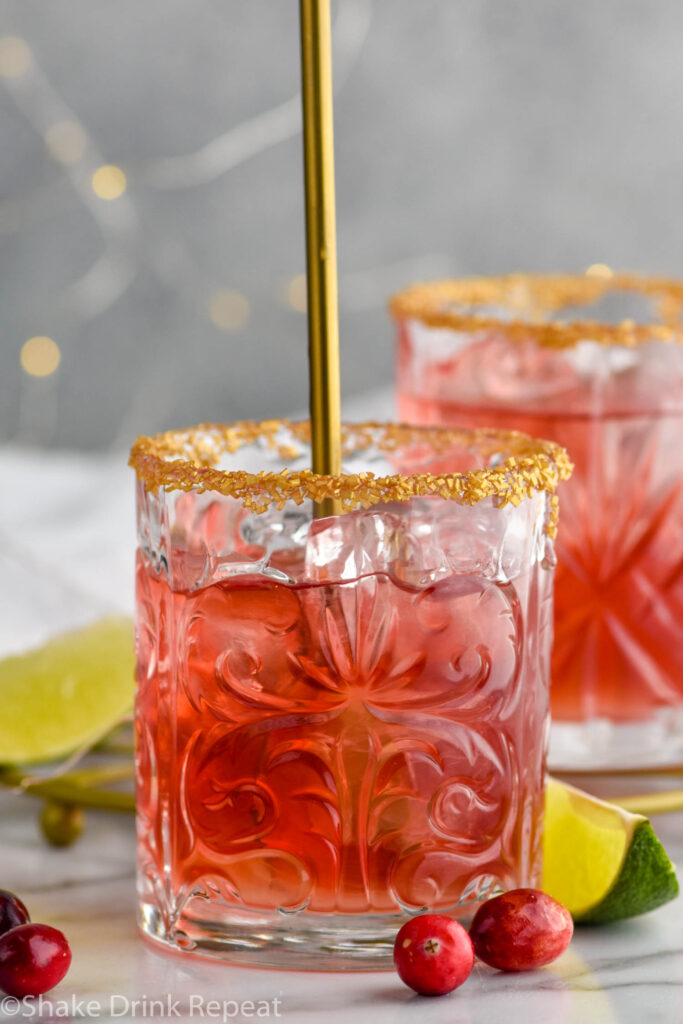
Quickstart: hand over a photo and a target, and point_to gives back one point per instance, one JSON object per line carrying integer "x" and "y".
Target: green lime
{"x": 66, "y": 694}
{"x": 603, "y": 863}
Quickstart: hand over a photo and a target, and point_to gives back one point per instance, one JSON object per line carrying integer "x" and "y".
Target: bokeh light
{"x": 66, "y": 142}
{"x": 40, "y": 356}
{"x": 599, "y": 270}
{"x": 109, "y": 182}
{"x": 229, "y": 310}
{"x": 15, "y": 57}
{"x": 297, "y": 296}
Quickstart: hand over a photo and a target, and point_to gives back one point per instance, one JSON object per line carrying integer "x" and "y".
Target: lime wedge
{"x": 603, "y": 863}
{"x": 66, "y": 694}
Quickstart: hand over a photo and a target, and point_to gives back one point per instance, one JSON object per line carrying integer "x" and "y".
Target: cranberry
{"x": 520, "y": 930}
{"x": 12, "y": 911}
{"x": 433, "y": 954}
{"x": 33, "y": 959}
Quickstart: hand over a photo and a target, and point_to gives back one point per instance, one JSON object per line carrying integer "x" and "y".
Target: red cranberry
{"x": 520, "y": 930}
{"x": 12, "y": 911}
{"x": 433, "y": 954}
{"x": 33, "y": 959}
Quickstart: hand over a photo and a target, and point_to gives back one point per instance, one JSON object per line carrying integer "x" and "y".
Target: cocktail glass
{"x": 508, "y": 352}
{"x": 341, "y": 721}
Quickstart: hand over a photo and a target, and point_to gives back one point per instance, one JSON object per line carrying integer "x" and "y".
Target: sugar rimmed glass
{"x": 340, "y": 721}
{"x": 594, "y": 362}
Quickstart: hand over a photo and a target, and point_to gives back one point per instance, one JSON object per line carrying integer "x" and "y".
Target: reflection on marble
{"x": 632, "y": 971}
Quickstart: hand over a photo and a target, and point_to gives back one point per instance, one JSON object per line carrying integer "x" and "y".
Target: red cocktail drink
{"x": 615, "y": 401}
{"x": 340, "y": 721}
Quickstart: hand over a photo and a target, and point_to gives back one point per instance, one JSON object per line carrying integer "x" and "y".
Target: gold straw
{"x": 321, "y": 242}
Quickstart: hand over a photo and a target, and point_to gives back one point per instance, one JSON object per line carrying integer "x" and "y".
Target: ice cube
{"x": 352, "y": 545}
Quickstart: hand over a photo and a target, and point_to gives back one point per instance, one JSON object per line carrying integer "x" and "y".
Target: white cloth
{"x": 67, "y": 535}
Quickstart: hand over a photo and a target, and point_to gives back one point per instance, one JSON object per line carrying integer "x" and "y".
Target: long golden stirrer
{"x": 321, "y": 242}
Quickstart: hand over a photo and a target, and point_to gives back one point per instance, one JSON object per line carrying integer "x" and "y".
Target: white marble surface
{"x": 66, "y": 544}
{"x": 629, "y": 973}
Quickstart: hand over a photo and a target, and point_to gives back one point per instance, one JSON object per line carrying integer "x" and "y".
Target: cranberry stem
{"x": 80, "y": 789}
{"x": 651, "y": 803}
{"x": 70, "y": 788}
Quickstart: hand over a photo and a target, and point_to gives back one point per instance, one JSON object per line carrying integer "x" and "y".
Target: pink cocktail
{"x": 340, "y": 721}
{"x": 611, "y": 392}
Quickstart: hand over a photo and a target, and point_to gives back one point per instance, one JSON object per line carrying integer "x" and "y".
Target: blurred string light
{"x": 93, "y": 180}
{"x": 109, "y": 182}
{"x": 15, "y": 57}
{"x": 70, "y": 145}
{"x": 269, "y": 127}
{"x": 229, "y": 310}
{"x": 297, "y": 295}
{"x": 40, "y": 356}
{"x": 66, "y": 142}
{"x": 599, "y": 270}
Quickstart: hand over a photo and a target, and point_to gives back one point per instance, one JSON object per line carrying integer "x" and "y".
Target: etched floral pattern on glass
{"x": 360, "y": 746}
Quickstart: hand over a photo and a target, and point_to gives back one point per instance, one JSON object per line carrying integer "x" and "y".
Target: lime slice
{"x": 66, "y": 694}
{"x": 603, "y": 863}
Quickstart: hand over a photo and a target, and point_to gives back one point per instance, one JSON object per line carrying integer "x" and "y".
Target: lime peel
{"x": 603, "y": 863}
{"x": 66, "y": 694}
{"x": 647, "y": 870}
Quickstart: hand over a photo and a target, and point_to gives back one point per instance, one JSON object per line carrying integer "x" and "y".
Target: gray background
{"x": 472, "y": 136}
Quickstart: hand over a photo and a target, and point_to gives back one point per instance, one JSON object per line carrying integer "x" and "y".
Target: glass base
{"x": 307, "y": 942}
{"x": 603, "y": 744}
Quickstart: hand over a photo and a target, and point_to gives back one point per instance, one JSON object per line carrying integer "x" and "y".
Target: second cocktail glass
{"x": 596, "y": 364}
{"x": 340, "y": 721}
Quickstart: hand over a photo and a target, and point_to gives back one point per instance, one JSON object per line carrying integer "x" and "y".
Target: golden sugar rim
{"x": 186, "y": 460}
{"x": 536, "y": 295}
